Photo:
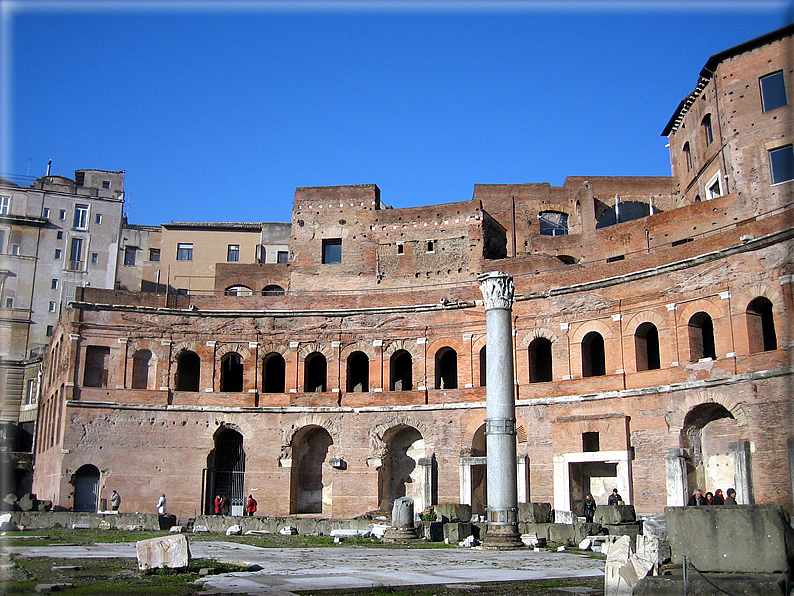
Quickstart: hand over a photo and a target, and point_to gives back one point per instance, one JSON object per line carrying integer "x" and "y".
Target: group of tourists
{"x": 716, "y": 498}
{"x": 589, "y": 505}
{"x": 223, "y": 505}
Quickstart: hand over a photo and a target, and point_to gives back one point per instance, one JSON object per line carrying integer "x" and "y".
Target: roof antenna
{"x": 49, "y": 163}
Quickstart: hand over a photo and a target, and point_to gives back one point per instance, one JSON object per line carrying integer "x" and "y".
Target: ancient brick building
{"x": 651, "y": 344}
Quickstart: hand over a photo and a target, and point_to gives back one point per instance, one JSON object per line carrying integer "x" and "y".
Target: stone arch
{"x": 471, "y": 428}
{"x": 646, "y": 316}
{"x": 675, "y": 419}
{"x": 711, "y": 306}
{"x": 154, "y": 346}
{"x": 586, "y": 327}
{"x": 332, "y": 425}
{"x": 447, "y": 342}
{"x": 409, "y": 345}
{"x": 539, "y": 332}
{"x": 315, "y": 346}
{"x": 267, "y": 349}
{"x": 359, "y": 346}
{"x": 376, "y": 434}
{"x": 310, "y": 489}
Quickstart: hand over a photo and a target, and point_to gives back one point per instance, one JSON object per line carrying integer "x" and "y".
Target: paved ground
{"x": 284, "y": 570}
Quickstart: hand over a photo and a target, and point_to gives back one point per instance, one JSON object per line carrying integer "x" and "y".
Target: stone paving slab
{"x": 286, "y": 569}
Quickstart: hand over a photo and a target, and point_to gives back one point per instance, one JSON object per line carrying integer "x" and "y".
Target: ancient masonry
{"x": 651, "y": 339}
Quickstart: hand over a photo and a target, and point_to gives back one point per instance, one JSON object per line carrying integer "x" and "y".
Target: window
{"x": 401, "y": 365}
{"x": 98, "y": 218}
{"x": 2, "y": 240}
{"x": 773, "y": 91}
{"x": 274, "y": 372}
{"x": 701, "y": 337}
{"x": 593, "y": 355}
{"x": 357, "y": 372}
{"x": 714, "y": 187}
{"x": 232, "y": 373}
{"x": 96, "y": 366}
{"x": 332, "y": 250}
{"x": 80, "y": 217}
{"x": 58, "y": 253}
{"x": 233, "y": 253}
{"x": 553, "y": 223}
{"x": 187, "y": 371}
{"x": 646, "y": 346}
{"x": 184, "y": 251}
{"x": 15, "y": 249}
{"x": 54, "y": 284}
{"x": 62, "y": 215}
{"x": 687, "y": 156}
{"x": 708, "y": 133}
{"x": 446, "y": 368}
{"x": 781, "y": 160}
{"x": 94, "y": 258}
{"x": 53, "y": 306}
{"x": 46, "y": 213}
{"x": 129, "y": 256}
{"x": 431, "y": 246}
{"x": 154, "y": 254}
{"x": 105, "y": 184}
{"x": 76, "y": 254}
{"x": 590, "y": 442}
{"x": 761, "y": 326}
{"x": 140, "y": 369}
{"x": 5, "y": 205}
{"x": 59, "y": 235}
{"x": 540, "y": 366}
{"x": 50, "y": 329}
{"x": 30, "y": 392}
{"x": 9, "y": 303}
{"x": 400, "y": 249}
{"x": 314, "y": 373}
{"x": 282, "y": 256}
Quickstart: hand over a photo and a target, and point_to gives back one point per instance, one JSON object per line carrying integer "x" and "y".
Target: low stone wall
{"x": 304, "y": 525}
{"x": 42, "y": 520}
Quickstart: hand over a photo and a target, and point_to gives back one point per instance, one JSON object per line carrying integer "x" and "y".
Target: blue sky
{"x": 218, "y": 111}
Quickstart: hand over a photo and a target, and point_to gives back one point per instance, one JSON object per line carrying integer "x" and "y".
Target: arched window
{"x": 187, "y": 371}
{"x": 553, "y": 223}
{"x": 232, "y": 373}
{"x": 315, "y": 370}
{"x": 761, "y": 326}
{"x": 274, "y": 372}
{"x": 687, "y": 156}
{"x": 483, "y": 366}
{"x": 401, "y": 365}
{"x": 446, "y": 369}
{"x": 701, "y": 337}
{"x": 357, "y": 372}
{"x": 540, "y": 370}
{"x": 239, "y": 291}
{"x": 140, "y": 369}
{"x": 593, "y": 360}
{"x": 646, "y": 346}
{"x": 273, "y": 290}
{"x": 708, "y": 133}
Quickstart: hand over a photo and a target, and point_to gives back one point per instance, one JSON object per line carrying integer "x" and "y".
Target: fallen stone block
{"x": 288, "y": 531}
{"x": 205, "y": 571}
{"x": 468, "y": 542}
{"x": 28, "y": 502}
{"x": 615, "y": 582}
{"x": 234, "y": 530}
{"x": 614, "y": 514}
{"x": 166, "y": 520}
{"x": 66, "y": 568}
{"x": 535, "y": 513}
{"x": 457, "y": 531}
{"x": 585, "y": 544}
{"x": 565, "y": 517}
{"x": 172, "y": 552}
{"x": 453, "y": 512}
{"x": 104, "y": 525}
{"x": 47, "y": 588}
{"x": 45, "y": 505}
{"x": 177, "y": 529}
{"x": 130, "y": 527}
{"x": 5, "y": 522}
{"x": 81, "y": 526}
{"x": 709, "y": 536}
{"x": 200, "y": 529}
{"x": 249, "y": 532}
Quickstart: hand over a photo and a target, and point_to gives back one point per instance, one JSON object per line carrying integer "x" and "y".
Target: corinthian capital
{"x": 497, "y": 289}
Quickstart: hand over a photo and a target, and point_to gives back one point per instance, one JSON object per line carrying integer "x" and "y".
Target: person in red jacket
{"x": 250, "y": 507}
{"x": 218, "y": 503}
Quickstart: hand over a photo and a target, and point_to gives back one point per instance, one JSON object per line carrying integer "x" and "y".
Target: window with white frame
{"x": 233, "y": 253}
{"x": 54, "y": 284}
{"x": 53, "y": 306}
{"x": 46, "y": 213}
{"x": 714, "y": 187}
{"x": 773, "y": 91}
{"x": 62, "y": 214}
{"x": 5, "y": 205}
{"x": 184, "y": 251}
{"x": 781, "y": 162}
{"x": 80, "y": 217}
{"x": 58, "y": 254}
{"x": 76, "y": 255}
{"x": 98, "y": 218}
{"x": 15, "y": 249}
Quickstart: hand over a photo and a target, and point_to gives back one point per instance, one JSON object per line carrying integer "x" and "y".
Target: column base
{"x": 502, "y": 538}
{"x": 400, "y": 535}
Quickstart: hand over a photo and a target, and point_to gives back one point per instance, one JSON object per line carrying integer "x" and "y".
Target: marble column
{"x": 500, "y": 422}
{"x": 742, "y": 472}
{"x": 675, "y": 472}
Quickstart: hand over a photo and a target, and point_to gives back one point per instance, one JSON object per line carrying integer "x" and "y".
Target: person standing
{"x": 589, "y": 508}
{"x": 218, "y": 504}
{"x": 614, "y": 498}
{"x": 161, "y": 505}
{"x": 731, "y": 498}
{"x": 115, "y": 501}
{"x": 697, "y": 499}
{"x": 225, "y": 505}
{"x": 718, "y": 498}
{"x": 250, "y": 507}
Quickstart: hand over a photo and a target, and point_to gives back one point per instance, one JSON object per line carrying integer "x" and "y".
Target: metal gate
{"x": 227, "y": 477}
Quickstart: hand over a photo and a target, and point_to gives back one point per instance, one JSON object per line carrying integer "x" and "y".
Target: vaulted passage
{"x": 225, "y": 472}
{"x": 593, "y": 359}
{"x": 232, "y": 373}
{"x": 311, "y": 450}
{"x": 446, "y": 369}
{"x": 315, "y": 371}
{"x": 401, "y": 364}
{"x": 86, "y": 488}
{"x": 273, "y": 373}
{"x": 706, "y": 436}
{"x": 399, "y": 474}
{"x": 187, "y": 371}
{"x": 357, "y": 372}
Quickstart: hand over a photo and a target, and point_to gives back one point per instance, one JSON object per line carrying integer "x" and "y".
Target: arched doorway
{"x": 400, "y": 366}
{"x": 86, "y": 488}
{"x": 479, "y": 488}
{"x": 140, "y": 369}
{"x": 274, "y": 373}
{"x": 312, "y": 447}
{"x": 593, "y": 356}
{"x": 701, "y": 337}
{"x": 232, "y": 373}
{"x": 446, "y": 369}
{"x": 357, "y": 372}
{"x": 315, "y": 370}
{"x": 187, "y": 371}
{"x": 400, "y": 475}
{"x": 707, "y": 433}
{"x": 646, "y": 347}
{"x": 540, "y": 370}
{"x": 761, "y": 326}
{"x": 225, "y": 473}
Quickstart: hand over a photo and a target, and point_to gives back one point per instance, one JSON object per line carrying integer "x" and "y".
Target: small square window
{"x": 332, "y": 250}
{"x": 154, "y": 254}
{"x": 781, "y": 160}
{"x": 54, "y": 284}
{"x": 58, "y": 253}
{"x": 15, "y": 249}
{"x": 46, "y": 213}
{"x": 184, "y": 251}
{"x": 400, "y": 249}
{"x": 105, "y": 184}
{"x": 129, "y": 256}
{"x": 94, "y": 258}
{"x": 62, "y": 214}
{"x": 431, "y": 246}
{"x": 714, "y": 187}
{"x": 233, "y": 253}
{"x": 9, "y": 303}
{"x": 49, "y": 330}
{"x": 773, "y": 91}
{"x": 59, "y": 235}
{"x": 282, "y": 256}
{"x": 98, "y": 218}
{"x": 53, "y": 306}
{"x": 590, "y": 442}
